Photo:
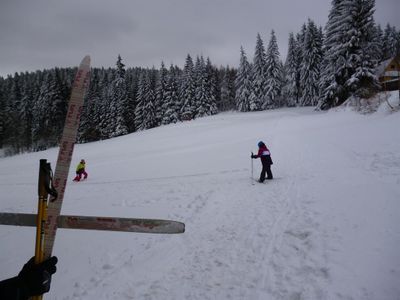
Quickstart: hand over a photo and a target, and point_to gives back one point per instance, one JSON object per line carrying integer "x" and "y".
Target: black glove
{"x": 35, "y": 279}
{"x": 253, "y": 156}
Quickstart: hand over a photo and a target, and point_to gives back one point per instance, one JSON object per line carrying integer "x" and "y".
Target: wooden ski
{"x": 98, "y": 223}
{"x": 67, "y": 143}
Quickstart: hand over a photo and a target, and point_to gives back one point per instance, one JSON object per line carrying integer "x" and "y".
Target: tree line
{"x": 119, "y": 101}
{"x": 323, "y": 67}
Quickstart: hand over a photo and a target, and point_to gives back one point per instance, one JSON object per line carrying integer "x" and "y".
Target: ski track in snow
{"x": 254, "y": 222}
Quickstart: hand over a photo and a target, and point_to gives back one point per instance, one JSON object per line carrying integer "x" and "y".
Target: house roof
{"x": 380, "y": 69}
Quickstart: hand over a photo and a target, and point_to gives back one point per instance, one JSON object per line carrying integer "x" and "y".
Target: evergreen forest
{"x": 323, "y": 67}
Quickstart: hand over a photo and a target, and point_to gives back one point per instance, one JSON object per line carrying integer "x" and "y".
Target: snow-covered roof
{"x": 380, "y": 69}
{"x": 391, "y": 80}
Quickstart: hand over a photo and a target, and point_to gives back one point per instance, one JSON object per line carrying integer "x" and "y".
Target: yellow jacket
{"x": 80, "y": 167}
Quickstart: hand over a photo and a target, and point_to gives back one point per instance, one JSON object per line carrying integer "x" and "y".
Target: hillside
{"x": 327, "y": 226}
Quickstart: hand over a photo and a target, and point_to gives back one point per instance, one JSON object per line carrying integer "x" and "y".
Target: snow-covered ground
{"x": 328, "y": 226}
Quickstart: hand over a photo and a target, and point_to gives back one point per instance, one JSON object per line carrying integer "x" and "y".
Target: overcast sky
{"x": 43, "y": 34}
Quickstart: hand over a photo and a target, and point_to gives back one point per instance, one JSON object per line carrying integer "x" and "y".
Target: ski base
{"x": 98, "y": 223}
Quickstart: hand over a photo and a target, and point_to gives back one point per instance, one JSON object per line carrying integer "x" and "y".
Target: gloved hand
{"x": 35, "y": 279}
{"x": 253, "y": 156}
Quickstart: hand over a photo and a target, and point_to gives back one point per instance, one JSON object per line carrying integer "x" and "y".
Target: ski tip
{"x": 86, "y": 60}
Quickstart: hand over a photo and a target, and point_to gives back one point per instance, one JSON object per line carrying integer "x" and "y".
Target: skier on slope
{"x": 266, "y": 161}
{"x": 33, "y": 280}
{"x": 80, "y": 170}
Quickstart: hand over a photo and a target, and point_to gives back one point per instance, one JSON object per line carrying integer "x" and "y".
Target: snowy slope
{"x": 326, "y": 228}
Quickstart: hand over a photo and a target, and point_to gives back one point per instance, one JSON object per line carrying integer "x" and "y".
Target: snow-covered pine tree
{"x": 291, "y": 70}
{"x": 223, "y": 104}
{"x": 211, "y": 88}
{"x": 243, "y": 83}
{"x": 149, "y": 112}
{"x": 55, "y": 110}
{"x": 177, "y": 74}
{"x": 227, "y": 89}
{"x": 299, "y": 42}
{"x": 363, "y": 81}
{"x": 37, "y": 115}
{"x": 217, "y": 75}
{"x": 107, "y": 112}
{"x": 12, "y": 106}
{"x": 390, "y": 42}
{"x": 201, "y": 88}
{"x": 188, "y": 90}
{"x": 334, "y": 73}
{"x": 25, "y": 113}
{"x": 59, "y": 105}
{"x": 140, "y": 101}
{"x": 103, "y": 105}
{"x": 171, "y": 98}
{"x": 99, "y": 104}
{"x": 378, "y": 40}
{"x": 161, "y": 88}
{"x": 120, "y": 69}
{"x": 153, "y": 75}
{"x": 273, "y": 74}
{"x": 258, "y": 95}
{"x": 88, "y": 126}
{"x": 347, "y": 49}
{"x": 132, "y": 82}
{"x": 119, "y": 102}
{"x": 310, "y": 67}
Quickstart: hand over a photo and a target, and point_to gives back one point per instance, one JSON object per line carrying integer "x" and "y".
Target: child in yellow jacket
{"x": 80, "y": 170}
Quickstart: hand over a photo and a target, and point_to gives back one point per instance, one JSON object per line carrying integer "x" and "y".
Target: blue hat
{"x": 260, "y": 143}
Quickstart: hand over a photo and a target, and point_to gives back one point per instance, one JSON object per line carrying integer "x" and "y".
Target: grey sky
{"x": 42, "y": 34}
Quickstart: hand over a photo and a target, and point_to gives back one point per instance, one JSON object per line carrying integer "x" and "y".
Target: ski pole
{"x": 41, "y": 216}
{"x": 45, "y": 188}
{"x": 252, "y": 178}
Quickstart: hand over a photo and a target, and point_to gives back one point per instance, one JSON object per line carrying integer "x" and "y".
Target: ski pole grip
{"x": 42, "y": 178}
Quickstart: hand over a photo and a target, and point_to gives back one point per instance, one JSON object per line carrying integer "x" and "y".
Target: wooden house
{"x": 388, "y": 73}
